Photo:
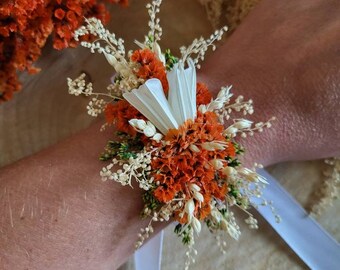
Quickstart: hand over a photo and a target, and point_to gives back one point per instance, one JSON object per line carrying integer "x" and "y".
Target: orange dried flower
{"x": 25, "y": 26}
{"x": 119, "y": 114}
{"x": 178, "y": 166}
{"x": 203, "y": 95}
{"x": 59, "y": 13}
{"x": 150, "y": 67}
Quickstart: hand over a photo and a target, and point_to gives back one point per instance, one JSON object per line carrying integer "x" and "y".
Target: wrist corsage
{"x": 175, "y": 141}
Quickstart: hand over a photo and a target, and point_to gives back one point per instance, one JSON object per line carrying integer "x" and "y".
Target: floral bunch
{"x": 25, "y": 26}
{"x": 175, "y": 141}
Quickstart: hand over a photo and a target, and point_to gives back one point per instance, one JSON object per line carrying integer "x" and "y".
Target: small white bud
{"x": 158, "y": 53}
{"x": 111, "y": 60}
{"x": 133, "y": 122}
{"x": 199, "y": 197}
{"x": 194, "y": 187}
{"x": 212, "y": 146}
{"x": 149, "y": 130}
{"x": 230, "y": 172}
{"x": 230, "y": 131}
{"x": 215, "y": 105}
{"x": 222, "y": 93}
{"x": 196, "y": 224}
{"x": 233, "y": 232}
{"x": 157, "y": 137}
{"x": 217, "y": 164}
{"x": 202, "y": 108}
{"x": 140, "y": 124}
{"x": 194, "y": 148}
{"x": 216, "y": 215}
{"x": 190, "y": 208}
{"x": 243, "y": 124}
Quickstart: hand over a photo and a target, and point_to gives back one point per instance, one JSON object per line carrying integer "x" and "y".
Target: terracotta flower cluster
{"x": 172, "y": 137}
{"x": 187, "y": 159}
{"x": 25, "y": 26}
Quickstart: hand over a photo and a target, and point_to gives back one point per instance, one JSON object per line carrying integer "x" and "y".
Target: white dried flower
{"x": 200, "y": 46}
{"x": 243, "y": 124}
{"x": 141, "y": 124}
{"x": 203, "y": 108}
{"x": 196, "y": 224}
{"x": 198, "y": 196}
{"x": 217, "y": 104}
{"x": 134, "y": 168}
{"x": 194, "y": 148}
{"x": 216, "y": 215}
{"x": 95, "y": 107}
{"x": 230, "y": 172}
{"x": 252, "y": 222}
{"x": 251, "y": 175}
{"x": 213, "y": 146}
{"x": 78, "y": 86}
{"x": 230, "y": 131}
{"x": 155, "y": 31}
{"x": 233, "y": 231}
{"x": 194, "y": 187}
{"x": 149, "y": 130}
{"x": 217, "y": 163}
{"x": 157, "y": 137}
{"x": 158, "y": 53}
{"x": 189, "y": 208}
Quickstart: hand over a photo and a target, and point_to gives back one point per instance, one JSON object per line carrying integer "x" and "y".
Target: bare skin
{"x": 285, "y": 56}
{"x": 55, "y": 213}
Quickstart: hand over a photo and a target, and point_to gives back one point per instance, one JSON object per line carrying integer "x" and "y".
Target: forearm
{"x": 56, "y": 213}
{"x": 285, "y": 56}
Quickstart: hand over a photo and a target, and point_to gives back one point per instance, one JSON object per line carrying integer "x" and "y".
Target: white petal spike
{"x": 149, "y": 99}
{"x": 111, "y": 59}
{"x": 182, "y": 93}
{"x": 190, "y": 75}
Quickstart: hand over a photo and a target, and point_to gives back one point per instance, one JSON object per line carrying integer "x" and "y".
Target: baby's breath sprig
{"x": 114, "y": 51}
{"x": 223, "y": 107}
{"x": 162, "y": 214}
{"x": 187, "y": 235}
{"x": 217, "y": 104}
{"x": 96, "y": 105}
{"x": 155, "y": 31}
{"x": 144, "y": 234}
{"x": 330, "y": 188}
{"x": 200, "y": 46}
{"x": 79, "y": 86}
{"x": 95, "y": 28}
{"x": 136, "y": 167}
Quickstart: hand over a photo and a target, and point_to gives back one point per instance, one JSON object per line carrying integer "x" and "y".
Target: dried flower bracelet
{"x": 175, "y": 141}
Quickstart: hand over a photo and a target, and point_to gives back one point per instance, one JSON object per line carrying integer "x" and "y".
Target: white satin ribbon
{"x": 302, "y": 233}
{"x": 149, "y": 256}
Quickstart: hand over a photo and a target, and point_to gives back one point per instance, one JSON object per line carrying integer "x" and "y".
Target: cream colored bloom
{"x": 149, "y": 99}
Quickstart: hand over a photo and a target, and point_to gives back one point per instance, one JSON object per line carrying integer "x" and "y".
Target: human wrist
{"x": 264, "y": 148}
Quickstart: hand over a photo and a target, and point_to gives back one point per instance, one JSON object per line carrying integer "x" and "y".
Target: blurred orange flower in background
{"x": 25, "y": 26}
